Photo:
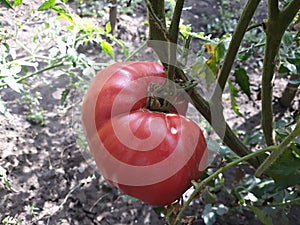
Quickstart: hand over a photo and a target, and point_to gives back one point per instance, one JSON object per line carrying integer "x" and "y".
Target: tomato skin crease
{"x": 150, "y": 155}
{"x": 167, "y": 191}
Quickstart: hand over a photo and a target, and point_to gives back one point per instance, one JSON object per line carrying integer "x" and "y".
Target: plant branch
{"x": 199, "y": 186}
{"x": 158, "y": 18}
{"x": 136, "y": 52}
{"x": 286, "y": 202}
{"x": 221, "y": 127}
{"x": 174, "y": 27}
{"x": 235, "y": 42}
{"x": 275, "y": 27}
{"x": 273, "y": 9}
{"x": 278, "y": 151}
{"x": 173, "y": 38}
{"x": 20, "y": 79}
{"x": 255, "y": 26}
{"x": 288, "y": 13}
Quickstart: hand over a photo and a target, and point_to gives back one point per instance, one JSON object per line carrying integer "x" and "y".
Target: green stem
{"x": 273, "y": 39}
{"x": 275, "y": 27}
{"x": 255, "y": 46}
{"x": 20, "y": 79}
{"x": 199, "y": 186}
{"x": 174, "y": 27}
{"x": 273, "y": 9}
{"x": 136, "y": 52}
{"x": 228, "y": 137}
{"x": 267, "y": 120}
{"x": 215, "y": 101}
{"x": 156, "y": 14}
{"x": 278, "y": 151}
{"x": 288, "y": 13}
{"x": 287, "y": 202}
{"x": 24, "y": 47}
{"x": 173, "y": 38}
{"x": 235, "y": 43}
{"x": 158, "y": 34}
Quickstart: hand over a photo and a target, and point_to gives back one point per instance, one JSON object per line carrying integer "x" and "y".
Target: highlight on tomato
{"x": 135, "y": 124}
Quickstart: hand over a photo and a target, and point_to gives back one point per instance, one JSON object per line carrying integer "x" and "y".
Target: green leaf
{"x": 47, "y": 5}
{"x": 107, "y": 48}
{"x": 217, "y": 53}
{"x": 108, "y": 27}
{"x": 64, "y": 96}
{"x": 208, "y": 197}
{"x": 242, "y": 79}
{"x": 63, "y": 14}
{"x": 17, "y": 2}
{"x": 233, "y": 94}
{"x": 286, "y": 170}
{"x": 200, "y": 69}
{"x": 13, "y": 84}
{"x": 261, "y": 216}
{"x": 6, "y": 3}
{"x": 287, "y": 40}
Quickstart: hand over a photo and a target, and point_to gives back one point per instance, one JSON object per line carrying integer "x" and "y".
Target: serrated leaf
{"x": 47, "y": 5}
{"x": 242, "y": 79}
{"x": 6, "y": 3}
{"x": 107, "y": 48}
{"x": 286, "y": 170}
{"x": 233, "y": 94}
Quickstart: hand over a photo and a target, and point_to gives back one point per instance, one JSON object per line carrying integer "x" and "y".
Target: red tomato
{"x": 149, "y": 155}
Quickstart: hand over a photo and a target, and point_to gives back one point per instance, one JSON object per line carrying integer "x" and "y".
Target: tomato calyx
{"x": 164, "y": 98}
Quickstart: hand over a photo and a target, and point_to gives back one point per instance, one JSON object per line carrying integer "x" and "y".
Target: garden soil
{"x": 55, "y": 182}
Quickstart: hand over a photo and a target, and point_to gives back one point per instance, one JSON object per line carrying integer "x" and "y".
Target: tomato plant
{"x": 149, "y": 155}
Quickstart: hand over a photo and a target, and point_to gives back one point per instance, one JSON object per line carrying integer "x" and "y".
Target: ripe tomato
{"x": 149, "y": 155}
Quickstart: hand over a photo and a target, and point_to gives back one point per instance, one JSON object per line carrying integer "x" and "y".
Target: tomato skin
{"x": 114, "y": 81}
{"x": 177, "y": 131}
{"x": 149, "y": 155}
